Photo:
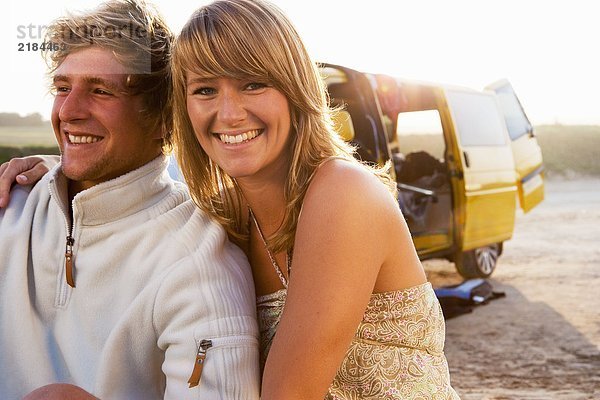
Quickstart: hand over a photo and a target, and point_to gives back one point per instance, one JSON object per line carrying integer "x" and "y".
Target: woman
{"x": 323, "y": 233}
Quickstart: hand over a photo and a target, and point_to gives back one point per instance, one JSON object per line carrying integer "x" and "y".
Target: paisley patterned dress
{"x": 396, "y": 353}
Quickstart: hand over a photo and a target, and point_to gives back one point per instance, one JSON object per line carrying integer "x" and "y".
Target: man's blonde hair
{"x": 246, "y": 39}
{"x": 140, "y": 40}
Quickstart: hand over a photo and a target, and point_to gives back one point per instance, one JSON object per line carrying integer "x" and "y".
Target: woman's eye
{"x": 256, "y": 86}
{"x": 204, "y": 91}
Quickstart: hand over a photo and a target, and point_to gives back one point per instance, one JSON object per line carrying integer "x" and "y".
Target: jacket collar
{"x": 117, "y": 198}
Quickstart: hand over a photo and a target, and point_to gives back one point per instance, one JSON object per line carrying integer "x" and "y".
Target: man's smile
{"x": 83, "y": 139}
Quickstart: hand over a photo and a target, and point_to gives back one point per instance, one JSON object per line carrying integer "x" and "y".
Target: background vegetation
{"x": 569, "y": 150}
{"x": 18, "y": 141}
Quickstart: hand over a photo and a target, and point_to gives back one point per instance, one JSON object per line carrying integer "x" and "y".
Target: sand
{"x": 542, "y": 341}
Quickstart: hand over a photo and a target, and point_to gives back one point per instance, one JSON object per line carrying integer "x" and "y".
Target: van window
{"x": 477, "y": 118}
{"x": 366, "y": 130}
{"x": 516, "y": 121}
{"x": 421, "y": 131}
{"x": 419, "y": 160}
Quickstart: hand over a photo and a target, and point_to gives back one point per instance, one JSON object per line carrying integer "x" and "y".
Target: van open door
{"x": 484, "y": 180}
{"x": 418, "y": 143}
{"x": 526, "y": 150}
{"x": 351, "y": 91}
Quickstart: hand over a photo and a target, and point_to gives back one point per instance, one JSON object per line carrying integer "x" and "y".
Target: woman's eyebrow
{"x": 199, "y": 79}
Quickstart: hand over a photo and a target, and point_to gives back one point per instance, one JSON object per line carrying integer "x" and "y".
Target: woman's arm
{"x": 343, "y": 238}
{"x": 23, "y": 171}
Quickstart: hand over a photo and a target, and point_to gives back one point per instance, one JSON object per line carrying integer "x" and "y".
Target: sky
{"x": 548, "y": 49}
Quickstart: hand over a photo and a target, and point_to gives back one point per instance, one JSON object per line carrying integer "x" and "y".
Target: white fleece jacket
{"x": 154, "y": 276}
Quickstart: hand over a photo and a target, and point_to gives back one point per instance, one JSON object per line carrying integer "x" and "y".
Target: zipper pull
{"x": 199, "y": 363}
{"x": 69, "y": 261}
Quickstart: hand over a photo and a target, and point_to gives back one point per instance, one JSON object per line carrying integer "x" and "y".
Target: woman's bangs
{"x": 212, "y": 52}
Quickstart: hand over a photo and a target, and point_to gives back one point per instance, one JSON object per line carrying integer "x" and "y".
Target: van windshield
{"x": 516, "y": 121}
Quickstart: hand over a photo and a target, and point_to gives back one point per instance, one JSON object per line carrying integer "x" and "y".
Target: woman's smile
{"x": 238, "y": 138}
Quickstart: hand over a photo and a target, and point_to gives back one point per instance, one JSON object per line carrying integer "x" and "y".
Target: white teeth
{"x": 239, "y": 138}
{"x": 83, "y": 139}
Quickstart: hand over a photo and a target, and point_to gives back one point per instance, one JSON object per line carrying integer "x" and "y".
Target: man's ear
{"x": 159, "y": 133}
{"x": 160, "y": 130}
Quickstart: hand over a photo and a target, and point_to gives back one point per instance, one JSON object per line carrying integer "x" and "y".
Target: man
{"x": 112, "y": 283}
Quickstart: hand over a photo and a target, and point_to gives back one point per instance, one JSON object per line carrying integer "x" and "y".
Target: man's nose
{"x": 74, "y": 106}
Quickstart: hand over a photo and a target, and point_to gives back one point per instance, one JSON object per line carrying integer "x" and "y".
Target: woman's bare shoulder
{"x": 346, "y": 196}
{"x": 347, "y": 182}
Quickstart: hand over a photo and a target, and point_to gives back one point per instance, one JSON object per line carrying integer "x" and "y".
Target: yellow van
{"x": 461, "y": 159}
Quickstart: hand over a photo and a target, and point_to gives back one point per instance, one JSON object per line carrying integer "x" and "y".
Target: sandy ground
{"x": 542, "y": 341}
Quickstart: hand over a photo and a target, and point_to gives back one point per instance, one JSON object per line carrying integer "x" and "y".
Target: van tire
{"x": 480, "y": 262}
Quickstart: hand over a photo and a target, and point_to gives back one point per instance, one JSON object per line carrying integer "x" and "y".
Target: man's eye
{"x": 59, "y": 89}
{"x": 102, "y": 92}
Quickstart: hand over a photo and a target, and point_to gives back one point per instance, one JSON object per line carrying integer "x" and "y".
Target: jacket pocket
{"x": 204, "y": 347}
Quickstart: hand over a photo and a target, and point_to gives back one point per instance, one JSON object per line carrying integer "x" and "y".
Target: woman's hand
{"x": 23, "y": 171}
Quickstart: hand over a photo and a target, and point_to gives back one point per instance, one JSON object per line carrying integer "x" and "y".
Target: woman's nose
{"x": 232, "y": 110}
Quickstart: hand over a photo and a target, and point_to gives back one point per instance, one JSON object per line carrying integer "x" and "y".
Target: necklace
{"x": 271, "y": 257}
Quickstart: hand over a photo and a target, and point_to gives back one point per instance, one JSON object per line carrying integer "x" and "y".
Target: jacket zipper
{"x": 69, "y": 261}
{"x": 199, "y": 363}
{"x": 206, "y": 344}
{"x": 70, "y": 242}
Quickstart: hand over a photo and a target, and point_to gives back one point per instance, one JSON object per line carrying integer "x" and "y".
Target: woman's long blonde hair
{"x": 246, "y": 39}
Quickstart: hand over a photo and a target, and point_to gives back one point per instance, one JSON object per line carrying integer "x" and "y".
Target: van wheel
{"x": 480, "y": 262}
